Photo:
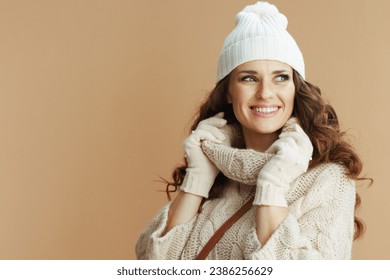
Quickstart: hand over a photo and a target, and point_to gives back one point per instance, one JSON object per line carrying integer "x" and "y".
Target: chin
{"x": 264, "y": 130}
{"x": 268, "y": 128}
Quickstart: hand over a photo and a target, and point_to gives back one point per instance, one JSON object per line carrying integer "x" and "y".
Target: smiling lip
{"x": 265, "y": 111}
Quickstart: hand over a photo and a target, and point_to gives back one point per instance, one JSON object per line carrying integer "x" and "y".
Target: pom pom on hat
{"x": 260, "y": 34}
{"x": 266, "y": 10}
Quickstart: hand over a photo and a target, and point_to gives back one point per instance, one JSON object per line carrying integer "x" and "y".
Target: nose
{"x": 264, "y": 90}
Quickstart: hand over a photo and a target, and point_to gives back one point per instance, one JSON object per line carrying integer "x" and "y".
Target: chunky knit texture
{"x": 320, "y": 223}
{"x": 241, "y": 165}
{"x": 236, "y": 164}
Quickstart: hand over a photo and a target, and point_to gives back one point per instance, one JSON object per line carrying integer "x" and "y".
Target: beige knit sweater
{"x": 320, "y": 223}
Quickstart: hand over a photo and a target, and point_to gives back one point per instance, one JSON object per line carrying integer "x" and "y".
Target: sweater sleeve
{"x": 152, "y": 246}
{"x": 322, "y": 226}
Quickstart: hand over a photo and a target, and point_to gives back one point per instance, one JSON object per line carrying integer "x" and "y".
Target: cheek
{"x": 234, "y": 95}
{"x": 239, "y": 95}
{"x": 239, "y": 103}
{"x": 291, "y": 102}
{"x": 238, "y": 100}
{"x": 290, "y": 98}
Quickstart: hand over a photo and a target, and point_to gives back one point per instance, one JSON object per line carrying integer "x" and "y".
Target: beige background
{"x": 96, "y": 98}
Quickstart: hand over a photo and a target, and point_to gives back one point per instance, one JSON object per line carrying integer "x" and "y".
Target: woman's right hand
{"x": 201, "y": 172}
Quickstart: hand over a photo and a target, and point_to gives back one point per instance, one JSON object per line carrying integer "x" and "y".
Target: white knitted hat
{"x": 260, "y": 34}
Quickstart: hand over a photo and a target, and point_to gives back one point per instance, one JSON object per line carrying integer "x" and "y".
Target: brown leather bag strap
{"x": 222, "y": 229}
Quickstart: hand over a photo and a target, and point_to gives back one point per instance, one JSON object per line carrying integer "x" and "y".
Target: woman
{"x": 263, "y": 135}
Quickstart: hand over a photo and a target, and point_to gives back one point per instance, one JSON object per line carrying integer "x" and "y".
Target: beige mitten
{"x": 293, "y": 151}
{"x": 201, "y": 172}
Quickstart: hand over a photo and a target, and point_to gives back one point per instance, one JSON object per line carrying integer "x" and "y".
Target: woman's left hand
{"x": 293, "y": 151}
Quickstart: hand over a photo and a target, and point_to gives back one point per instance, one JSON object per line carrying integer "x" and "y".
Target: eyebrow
{"x": 255, "y": 72}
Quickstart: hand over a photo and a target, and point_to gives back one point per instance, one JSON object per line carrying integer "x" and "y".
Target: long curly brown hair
{"x": 317, "y": 118}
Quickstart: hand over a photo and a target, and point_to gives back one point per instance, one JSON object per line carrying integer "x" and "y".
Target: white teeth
{"x": 266, "y": 110}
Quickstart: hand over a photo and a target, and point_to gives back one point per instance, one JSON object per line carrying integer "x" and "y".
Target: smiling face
{"x": 262, "y": 94}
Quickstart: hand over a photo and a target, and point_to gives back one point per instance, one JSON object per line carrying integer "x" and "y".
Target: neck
{"x": 259, "y": 142}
